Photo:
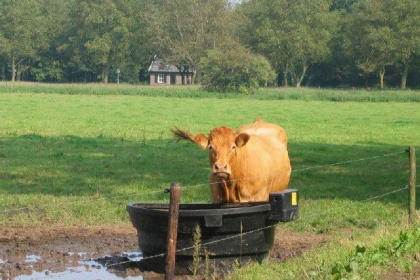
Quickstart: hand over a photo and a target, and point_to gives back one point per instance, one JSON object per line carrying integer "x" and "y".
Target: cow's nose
{"x": 220, "y": 167}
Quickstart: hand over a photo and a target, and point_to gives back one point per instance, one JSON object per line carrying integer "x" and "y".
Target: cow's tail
{"x": 182, "y": 134}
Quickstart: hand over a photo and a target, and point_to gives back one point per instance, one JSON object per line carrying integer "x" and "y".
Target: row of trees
{"x": 314, "y": 43}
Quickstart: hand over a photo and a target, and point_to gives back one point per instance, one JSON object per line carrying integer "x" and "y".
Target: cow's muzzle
{"x": 221, "y": 170}
{"x": 222, "y": 175}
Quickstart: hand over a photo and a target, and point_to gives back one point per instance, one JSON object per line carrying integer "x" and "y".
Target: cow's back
{"x": 259, "y": 127}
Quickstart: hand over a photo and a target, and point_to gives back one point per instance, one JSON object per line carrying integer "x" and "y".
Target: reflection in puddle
{"x": 77, "y": 273}
{"x": 134, "y": 256}
{"x": 32, "y": 258}
{"x": 91, "y": 269}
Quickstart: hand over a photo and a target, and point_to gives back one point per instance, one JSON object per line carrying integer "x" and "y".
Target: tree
{"x": 406, "y": 45}
{"x": 185, "y": 29}
{"x": 381, "y": 34}
{"x": 139, "y": 54}
{"x": 22, "y": 32}
{"x": 234, "y": 69}
{"x": 368, "y": 40}
{"x": 343, "y": 5}
{"x": 99, "y": 35}
{"x": 51, "y": 63}
{"x": 292, "y": 34}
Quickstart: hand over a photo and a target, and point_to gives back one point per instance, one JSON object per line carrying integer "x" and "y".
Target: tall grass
{"x": 194, "y": 91}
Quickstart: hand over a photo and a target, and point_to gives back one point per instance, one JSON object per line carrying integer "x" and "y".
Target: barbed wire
{"x": 306, "y": 168}
{"x": 79, "y": 201}
{"x": 349, "y": 161}
{"x": 191, "y": 186}
{"x": 364, "y": 200}
{"x": 385, "y": 194}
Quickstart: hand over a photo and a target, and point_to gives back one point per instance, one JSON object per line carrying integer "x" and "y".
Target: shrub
{"x": 234, "y": 69}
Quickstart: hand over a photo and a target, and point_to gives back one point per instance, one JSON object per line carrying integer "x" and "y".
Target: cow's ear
{"x": 201, "y": 140}
{"x": 241, "y": 140}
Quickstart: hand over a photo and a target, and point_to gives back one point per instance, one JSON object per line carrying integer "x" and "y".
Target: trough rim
{"x": 199, "y": 209}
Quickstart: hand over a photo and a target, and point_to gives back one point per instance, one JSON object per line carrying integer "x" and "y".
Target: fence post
{"x": 412, "y": 185}
{"x": 172, "y": 231}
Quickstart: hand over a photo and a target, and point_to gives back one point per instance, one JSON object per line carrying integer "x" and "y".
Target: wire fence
{"x": 207, "y": 184}
{"x": 242, "y": 234}
{"x": 137, "y": 194}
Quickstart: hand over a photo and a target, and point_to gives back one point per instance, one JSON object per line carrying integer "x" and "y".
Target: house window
{"x": 161, "y": 78}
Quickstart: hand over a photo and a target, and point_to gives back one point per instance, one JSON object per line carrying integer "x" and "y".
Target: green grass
{"x": 76, "y": 154}
{"x": 391, "y": 251}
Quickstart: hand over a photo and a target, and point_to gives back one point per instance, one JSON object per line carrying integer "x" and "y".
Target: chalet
{"x": 162, "y": 73}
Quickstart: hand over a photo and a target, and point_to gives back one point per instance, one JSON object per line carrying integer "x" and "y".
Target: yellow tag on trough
{"x": 294, "y": 198}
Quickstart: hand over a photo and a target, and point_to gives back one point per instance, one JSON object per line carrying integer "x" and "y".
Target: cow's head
{"x": 222, "y": 143}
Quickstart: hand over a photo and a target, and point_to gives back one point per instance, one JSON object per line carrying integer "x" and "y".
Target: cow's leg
{"x": 218, "y": 192}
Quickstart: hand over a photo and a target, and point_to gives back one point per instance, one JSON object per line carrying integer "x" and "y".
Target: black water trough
{"x": 230, "y": 233}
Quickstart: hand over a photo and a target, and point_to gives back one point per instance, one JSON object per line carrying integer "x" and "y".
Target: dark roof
{"x": 158, "y": 65}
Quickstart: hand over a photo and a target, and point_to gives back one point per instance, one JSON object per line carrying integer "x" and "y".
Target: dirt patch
{"x": 396, "y": 274}
{"x": 55, "y": 249}
{"x": 288, "y": 244}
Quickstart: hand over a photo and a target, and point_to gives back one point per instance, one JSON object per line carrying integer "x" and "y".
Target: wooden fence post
{"x": 412, "y": 185}
{"x": 172, "y": 231}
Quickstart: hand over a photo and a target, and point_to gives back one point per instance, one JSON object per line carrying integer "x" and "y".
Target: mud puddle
{"x": 108, "y": 267}
{"x": 69, "y": 253}
{"x": 101, "y": 253}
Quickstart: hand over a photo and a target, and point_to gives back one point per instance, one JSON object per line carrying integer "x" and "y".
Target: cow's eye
{"x": 210, "y": 147}
{"x": 233, "y": 147}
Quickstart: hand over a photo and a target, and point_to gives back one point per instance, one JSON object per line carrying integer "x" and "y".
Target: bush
{"x": 234, "y": 69}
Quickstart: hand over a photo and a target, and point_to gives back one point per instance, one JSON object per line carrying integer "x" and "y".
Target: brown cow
{"x": 247, "y": 164}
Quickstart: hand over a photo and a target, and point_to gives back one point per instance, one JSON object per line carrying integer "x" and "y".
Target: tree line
{"x": 328, "y": 43}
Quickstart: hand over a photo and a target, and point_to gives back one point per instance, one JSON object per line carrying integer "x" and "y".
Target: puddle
{"x": 108, "y": 267}
{"x": 32, "y": 258}
{"x": 81, "y": 272}
{"x": 70, "y": 253}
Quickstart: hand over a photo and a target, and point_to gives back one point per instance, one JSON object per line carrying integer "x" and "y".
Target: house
{"x": 162, "y": 73}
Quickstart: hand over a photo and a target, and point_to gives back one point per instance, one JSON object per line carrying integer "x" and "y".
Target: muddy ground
{"x": 47, "y": 251}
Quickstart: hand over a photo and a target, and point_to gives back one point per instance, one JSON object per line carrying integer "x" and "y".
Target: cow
{"x": 247, "y": 164}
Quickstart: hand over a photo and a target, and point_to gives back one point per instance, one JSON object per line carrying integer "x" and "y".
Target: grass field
{"x": 76, "y": 154}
